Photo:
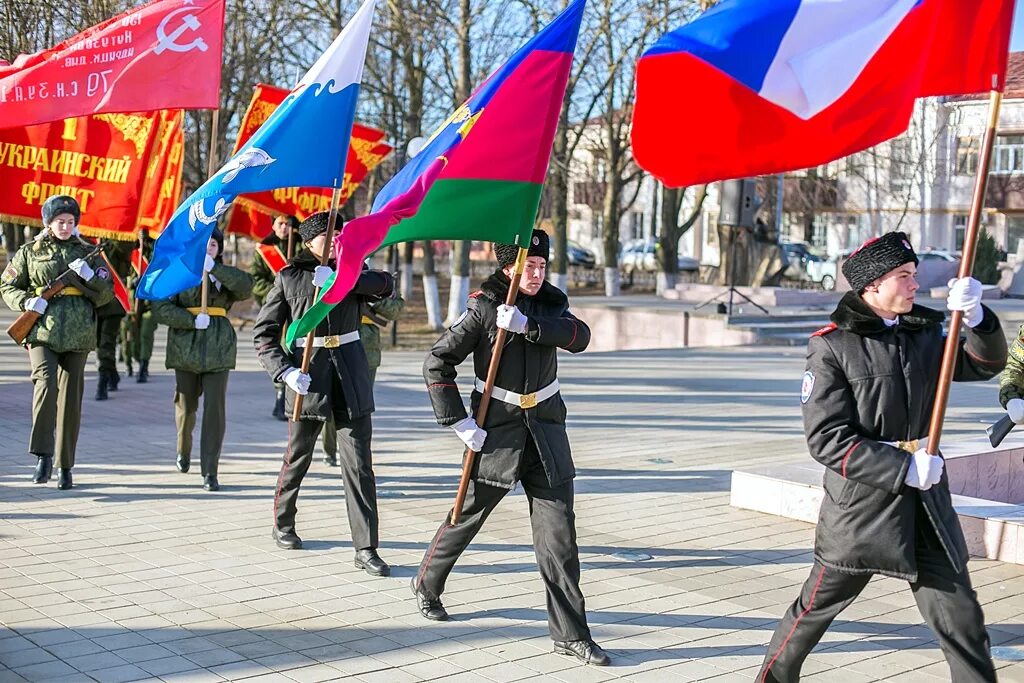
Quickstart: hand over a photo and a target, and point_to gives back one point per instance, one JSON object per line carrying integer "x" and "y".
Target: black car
{"x": 576, "y": 255}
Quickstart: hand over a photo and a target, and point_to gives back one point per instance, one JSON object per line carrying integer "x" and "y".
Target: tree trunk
{"x": 461, "y": 249}
{"x": 430, "y": 293}
{"x": 559, "y": 187}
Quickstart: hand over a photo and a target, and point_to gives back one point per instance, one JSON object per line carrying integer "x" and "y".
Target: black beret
{"x": 58, "y": 204}
{"x": 876, "y": 257}
{"x": 540, "y": 245}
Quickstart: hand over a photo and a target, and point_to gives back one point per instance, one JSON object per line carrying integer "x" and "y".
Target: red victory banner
{"x": 99, "y": 160}
{"x": 251, "y": 214}
{"x": 163, "y": 178}
{"x": 165, "y": 54}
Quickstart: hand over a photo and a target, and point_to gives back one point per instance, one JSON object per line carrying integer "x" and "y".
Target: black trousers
{"x": 944, "y": 596}
{"x": 356, "y": 472}
{"x": 554, "y": 542}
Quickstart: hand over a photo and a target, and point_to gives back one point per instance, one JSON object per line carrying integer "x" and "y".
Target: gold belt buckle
{"x": 908, "y": 446}
{"x": 528, "y": 400}
{"x": 332, "y": 341}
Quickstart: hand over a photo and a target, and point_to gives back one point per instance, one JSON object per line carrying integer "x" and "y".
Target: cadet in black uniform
{"x": 523, "y": 439}
{"x": 867, "y": 398}
{"x": 337, "y": 385}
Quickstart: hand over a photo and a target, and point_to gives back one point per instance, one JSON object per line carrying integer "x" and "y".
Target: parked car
{"x": 577, "y": 255}
{"x": 640, "y": 256}
{"x": 809, "y": 265}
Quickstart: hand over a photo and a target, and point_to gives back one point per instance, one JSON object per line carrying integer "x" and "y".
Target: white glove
{"x": 320, "y": 275}
{"x": 470, "y": 433}
{"x": 925, "y": 470}
{"x": 202, "y": 321}
{"x": 209, "y": 263}
{"x": 37, "y": 304}
{"x": 297, "y": 380}
{"x": 1015, "y": 410}
{"x": 82, "y": 269}
{"x": 965, "y": 295}
{"x": 512, "y": 319}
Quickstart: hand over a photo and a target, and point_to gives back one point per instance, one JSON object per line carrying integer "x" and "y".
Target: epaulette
{"x": 476, "y": 294}
{"x": 825, "y": 330}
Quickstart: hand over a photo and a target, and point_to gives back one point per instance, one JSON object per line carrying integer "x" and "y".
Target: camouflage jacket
{"x": 376, "y": 315}
{"x": 1011, "y": 384}
{"x": 69, "y": 323}
{"x": 212, "y": 349}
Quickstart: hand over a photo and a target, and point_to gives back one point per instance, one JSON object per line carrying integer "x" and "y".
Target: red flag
{"x": 163, "y": 55}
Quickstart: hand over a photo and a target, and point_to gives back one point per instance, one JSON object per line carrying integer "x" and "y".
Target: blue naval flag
{"x": 304, "y": 143}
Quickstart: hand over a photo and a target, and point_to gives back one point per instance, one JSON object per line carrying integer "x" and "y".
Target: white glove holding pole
{"x": 965, "y": 295}
{"x": 512, "y": 319}
{"x": 297, "y": 380}
{"x": 82, "y": 269}
{"x": 209, "y": 263}
{"x": 202, "y": 321}
{"x": 37, "y": 304}
{"x": 320, "y": 275}
{"x": 470, "y": 433}
{"x": 925, "y": 470}
{"x": 1015, "y": 410}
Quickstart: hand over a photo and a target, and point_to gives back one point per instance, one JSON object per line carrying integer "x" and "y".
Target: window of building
{"x": 1014, "y": 233}
{"x": 1008, "y": 155}
{"x": 636, "y": 225}
{"x": 967, "y": 155}
{"x": 959, "y": 230}
{"x": 901, "y": 164}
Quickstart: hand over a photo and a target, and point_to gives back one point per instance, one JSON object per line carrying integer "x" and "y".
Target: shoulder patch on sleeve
{"x": 103, "y": 272}
{"x": 807, "y": 387}
{"x": 831, "y": 327}
{"x": 10, "y": 273}
{"x": 459, "y": 320}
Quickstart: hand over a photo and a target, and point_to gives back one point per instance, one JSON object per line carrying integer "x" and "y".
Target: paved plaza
{"x": 137, "y": 573}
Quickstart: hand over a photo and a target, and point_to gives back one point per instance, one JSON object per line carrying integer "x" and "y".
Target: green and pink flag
{"x": 479, "y": 176}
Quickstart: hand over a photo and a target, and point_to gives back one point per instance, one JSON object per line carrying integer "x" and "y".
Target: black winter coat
{"x": 867, "y": 384}
{"x": 529, "y": 362}
{"x": 289, "y": 298}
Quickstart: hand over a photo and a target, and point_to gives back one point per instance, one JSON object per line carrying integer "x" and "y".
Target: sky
{"x": 1017, "y": 40}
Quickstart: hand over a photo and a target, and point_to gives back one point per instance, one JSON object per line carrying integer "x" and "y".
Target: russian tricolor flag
{"x": 763, "y": 86}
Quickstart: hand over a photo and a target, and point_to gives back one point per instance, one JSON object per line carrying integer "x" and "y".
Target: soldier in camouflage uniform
{"x": 139, "y": 328}
{"x": 201, "y": 349}
{"x": 60, "y": 341}
{"x": 108, "y": 323}
{"x": 1011, "y": 383}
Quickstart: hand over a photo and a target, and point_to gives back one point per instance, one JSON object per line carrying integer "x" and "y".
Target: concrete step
{"x": 992, "y": 518}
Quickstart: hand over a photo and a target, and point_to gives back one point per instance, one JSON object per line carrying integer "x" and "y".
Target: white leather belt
{"x": 331, "y": 341}
{"x": 911, "y": 446}
{"x": 523, "y": 401}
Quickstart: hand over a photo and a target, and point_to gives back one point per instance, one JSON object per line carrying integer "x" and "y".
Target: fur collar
{"x": 856, "y": 316}
{"x": 495, "y": 288}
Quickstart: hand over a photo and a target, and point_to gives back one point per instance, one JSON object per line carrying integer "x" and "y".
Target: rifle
{"x": 998, "y": 431}
{"x": 22, "y": 325}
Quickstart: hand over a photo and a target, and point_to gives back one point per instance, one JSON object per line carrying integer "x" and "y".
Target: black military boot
{"x": 101, "y": 386}
{"x": 279, "y": 406}
{"x": 143, "y": 372}
{"x": 44, "y": 468}
{"x": 369, "y": 561}
{"x": 331, "y": 460}
{"x": 587, "y": 651}
{"x": 288, "y": 540}
{"x": 131, "y": 370}
{"x": 64, "y": 478}
{"x": 113, "y": 379}
{"x": 431, "y": 608}
{"x": 184, "y": 462}
{"x": 210, "y": 483}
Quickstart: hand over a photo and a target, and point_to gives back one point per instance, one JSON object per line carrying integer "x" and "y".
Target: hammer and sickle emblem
{"x": 170, "y": 42}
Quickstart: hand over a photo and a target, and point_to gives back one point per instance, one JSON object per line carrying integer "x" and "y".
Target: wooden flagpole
{"x": 307, "y": 351}
{"x": 211, "y": 168}
{"x": 952, "y": 347}
{"x": 492, "y": 372}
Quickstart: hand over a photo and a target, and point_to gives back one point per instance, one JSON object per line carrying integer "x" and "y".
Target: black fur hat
{"x": 316, "y": 225}
{"x": 540, "y": 245}
{"x": 876, "y": 257}
{"x": 58, "y": 204}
